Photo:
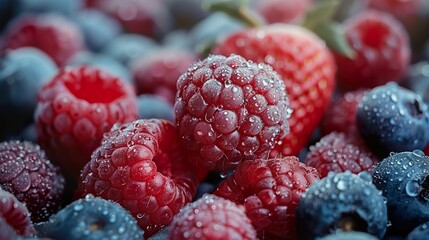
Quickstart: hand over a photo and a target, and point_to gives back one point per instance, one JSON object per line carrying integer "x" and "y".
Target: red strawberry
{"x": 382, "y": 51}
{"x": 282, "y": 11}
{"x": 212, "y": 217}
{"x": 270, "y": 191}
{"x": 305, "y": 65}
{"x": 141, "y": 166}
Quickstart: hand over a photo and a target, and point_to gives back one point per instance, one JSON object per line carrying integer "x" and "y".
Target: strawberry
{"x": 304, "y": 63}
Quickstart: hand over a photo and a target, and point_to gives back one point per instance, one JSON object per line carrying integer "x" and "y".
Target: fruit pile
{"x": 214, "y": 119}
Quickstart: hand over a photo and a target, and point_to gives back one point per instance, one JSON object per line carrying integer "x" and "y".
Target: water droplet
{"x": 412, "y": 188}
{"x": 341, "y": 185}
{"x": 78, "y": 207}
{"x": 418, "y": 153}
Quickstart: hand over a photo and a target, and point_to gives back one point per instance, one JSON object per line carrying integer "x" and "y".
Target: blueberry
{"x": 66, "y": 7}
{"x": 22, "y": 73}
{"x": 161, "y": 235}
{"x": 342, "y": 201}
{"x": 391, "y": 118}
{"x": 127, "y": 47}
{"x": 151, "y": 106}
{"x": 418, "y": 80}
{"x": 90, "y": 219}
{"x": 97, "y": 27}
{"x": 102, "y": 61}
{"x": 6, "y": 12}
{"x": 421, "y": 232}
{"x": 403, "y": 180}
{"x": 349, "y": 236}
{"x": 212, "y": 28}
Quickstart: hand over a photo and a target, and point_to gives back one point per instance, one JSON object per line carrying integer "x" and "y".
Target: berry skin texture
{"x": 404, "y": 182}
{"x": 352, "y": 235}
{"x": 75, "y": 109}
{"x": 270, "y": 191}
{"x": 303, "y": 62}
{"x": 340, "y": 116}
{"x": 229, "y": 109}
{"x": 382, "y": 51}
{"x": 52, "y": 33}
{"x": 19, "y": 84}
{"x": 419, "y": 233}
{"x": 15, "y": 214}
{"x": 141, "y": 166}
{"x": 337, "y": 153}
{"x": 91, "y": 219}
{"x": 211, "y": 217}
{"x": 341, "y": 201}
{"x": 26, "y": 172}
{"x": 393, "y": 119}
{"x": 157, "y": 73}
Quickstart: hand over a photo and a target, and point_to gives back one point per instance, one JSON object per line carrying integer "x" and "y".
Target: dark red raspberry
{"x": 382, "y": 51}
{"x": 426, "y": 150}
{"x": 26, "y": 172}
{"x": 228, "y": 110}
{"x": 15, "y": 214}
{"x": 147, "y": 17}
{"x": 141, "y": 166}
{"x": 211, "y": 217}
{"x": 340, "y": 116}
{"x": 270, "y": 191}
{"x": 157, "y": 73}
{"x": 337, "y": 153}
{"x": 6, "y": 231}
{"x": 53, "y": 34}
{"x": 75, "y": 109}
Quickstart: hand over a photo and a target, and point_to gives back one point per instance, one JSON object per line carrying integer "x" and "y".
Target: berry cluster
{"x": 268, "y": 119}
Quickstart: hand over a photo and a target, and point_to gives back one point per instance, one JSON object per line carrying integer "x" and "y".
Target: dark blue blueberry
{"x": 151, "y": 106}
{"x": 97, "y": 27}
{"x": 404, "y": 182}
{"x": 419, "y": 233}
{"x": 418, "y": 80}
{"x": 22, "y": 73}
{"x": 212, "y": 28}
{"x": 6, "y": 12}
{"x": 66, "y": 7}
{"x": 204, "y": 188}
{"x": 161, "y": 235}
{"x": 342, "y": 201}
{"x": 91, "y": 219}
{"x": 391, "y": 118}
{"x": 349, "y": 236}
{"x": 186, "y": 13}
{"x": 102, "y": 61}
{"x": 127, "y": 47}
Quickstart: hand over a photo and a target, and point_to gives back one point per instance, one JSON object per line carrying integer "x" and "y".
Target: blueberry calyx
{"x": 351, "y": 221}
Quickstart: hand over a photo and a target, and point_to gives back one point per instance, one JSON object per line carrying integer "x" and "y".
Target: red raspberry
{"x": 141, "y": 166}
{"x": 75, "y": 109}
{"x": 304, "y": 63}
{"x": 228, "y": 110}
{"x": 26, "y": 172}
{"x": 158, "y": 72}
{"x": 147, "y": 17}
{"x": 282, "y": 11}
{"x": 211, "y": 217}
{"x": 270, "y": 191}
{"x": 337, "y": 153}
{"x": 426, "y": 150}
{"x": 53, "y": 34}
{"x": 401, "y": 9}
{"x": 15, "y": 214}
{"x": 382, "y": 51}
{"x": 340, "y": 116}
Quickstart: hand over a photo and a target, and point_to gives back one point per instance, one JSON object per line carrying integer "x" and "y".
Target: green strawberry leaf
{"x": 333, "y": 34}
{"x": 235, "y": 8}
{"x": 322, "y": 12}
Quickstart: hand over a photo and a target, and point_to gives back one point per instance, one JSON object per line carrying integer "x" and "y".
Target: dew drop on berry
{"x": 413, "y": 188}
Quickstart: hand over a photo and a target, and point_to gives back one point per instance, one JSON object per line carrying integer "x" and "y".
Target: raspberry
{"x": 141, "y": 166}
{"x": 158, "y": 72}
{"x": 228, "y": 110}
{"x": 92, "y": 218}
{"x": 15, "y": 214}
{"x": 382, "y": 51}
{"x": 340, "y": 116}
{"x": 74, "y": 110}
{"x": 270, "y": 191}
{"x": 303, "y": 62}
{"x": 6, "y": 231}
{"x": 29, "y": 175}
{"x": 51, "y": 33}
{"x": 212, "y": 217}
{"x": 337, "y": 153}
{"x": 281, "y": 11}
